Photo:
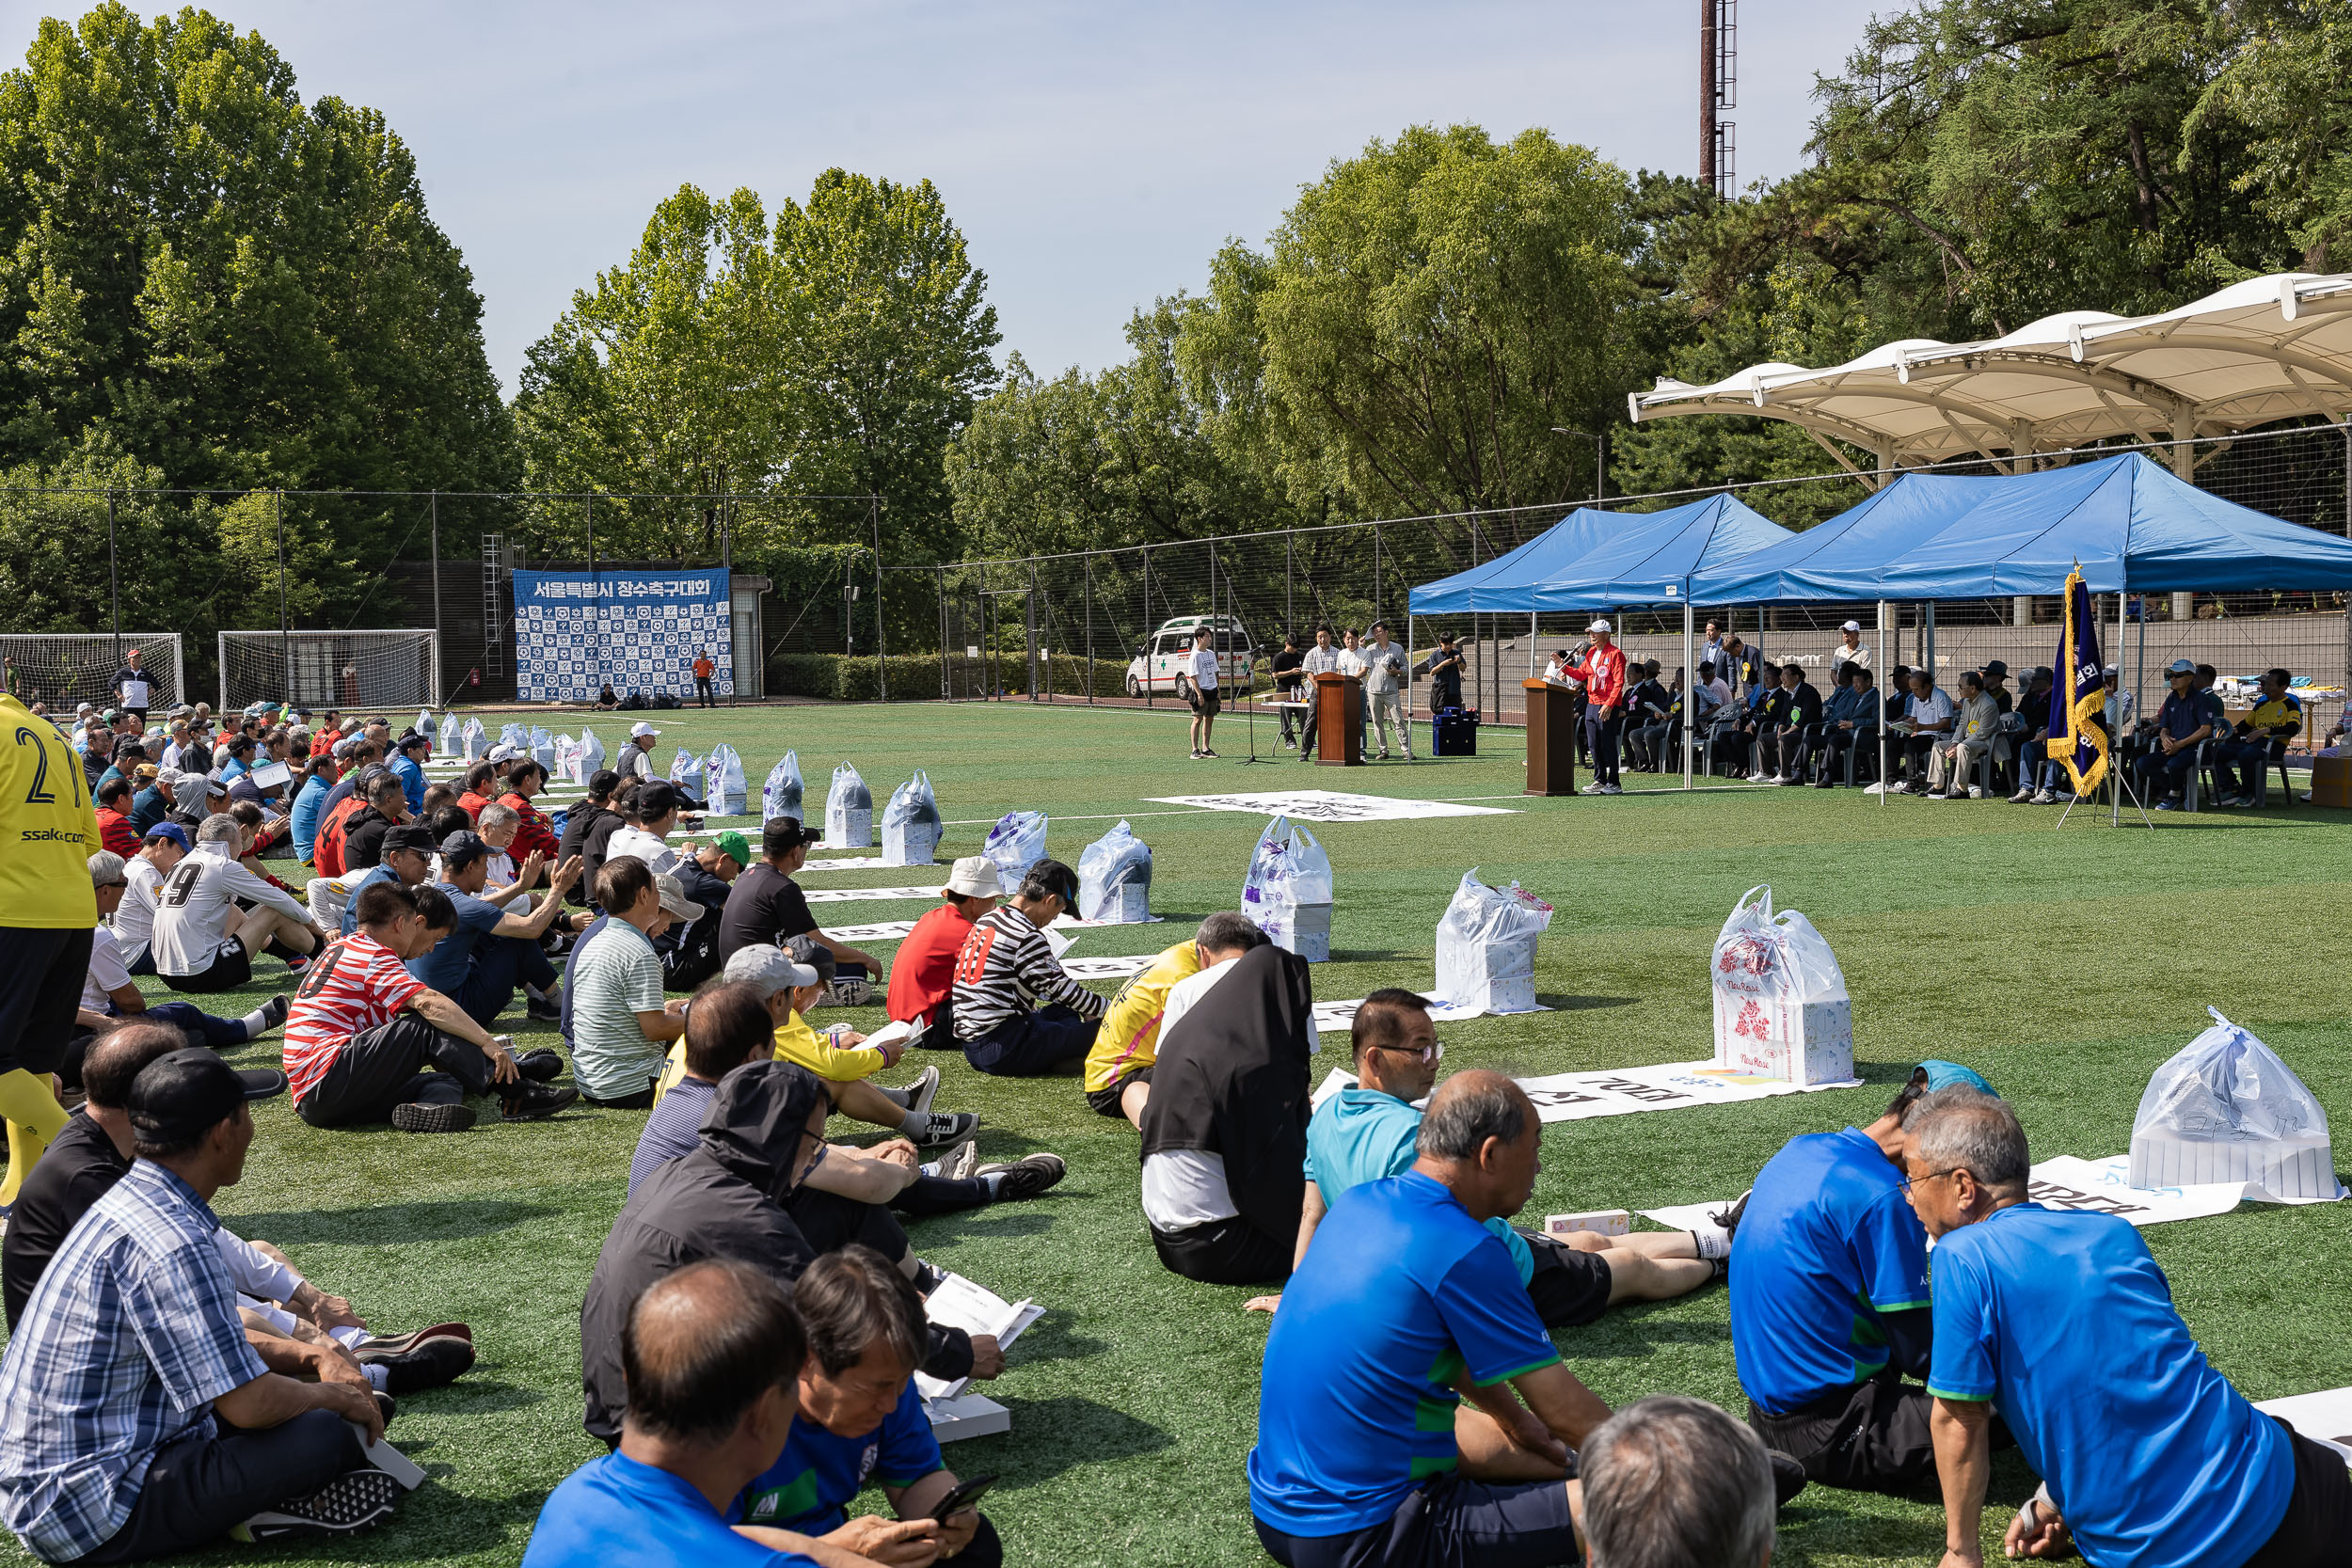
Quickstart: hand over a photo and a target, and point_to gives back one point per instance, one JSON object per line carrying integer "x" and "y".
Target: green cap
{"x": 734, "y": 847}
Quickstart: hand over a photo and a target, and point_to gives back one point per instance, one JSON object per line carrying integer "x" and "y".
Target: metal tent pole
{"x": 1879, "y": 698}
{"x": 1690, "y": 685}
{"x": 434, "y": 506}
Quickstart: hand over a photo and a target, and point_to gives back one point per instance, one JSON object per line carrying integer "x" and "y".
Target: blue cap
{"x": 1946, "y": 1075}
{"x": 173, "y": 831}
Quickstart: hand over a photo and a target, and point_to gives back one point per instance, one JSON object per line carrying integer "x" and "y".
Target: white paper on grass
{"x": 1628, "y": 1091}
{"x": 968, "y": 1415}
{"x": 1329, "y": 805}
{"x": 867, "y": 895}
{"x": 892, "y": 930}
{"x": 1109, "y": 969}
{"x": 958, "y": 1302}
{"x": 2325, "y": 1417}
{"x": 1339, "y": 1017}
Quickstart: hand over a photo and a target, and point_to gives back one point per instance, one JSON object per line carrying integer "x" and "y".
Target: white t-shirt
{"x": 134, "y": 921}
{"x": 1203, "y": 663}
{"x": 656, "y": 853}
{"x": 1186, "y": 1187}
{"x": 1937, "y": 706}
{"x": 192, "y": 916}
{"x": 106, "y": 972}
{"x": 1859, "y": 654}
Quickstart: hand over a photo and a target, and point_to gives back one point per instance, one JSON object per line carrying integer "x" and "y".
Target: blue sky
{"x": 1094, "y": 154}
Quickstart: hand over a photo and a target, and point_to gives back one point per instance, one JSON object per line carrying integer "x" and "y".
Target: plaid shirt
{"x": 130, "y": 1335}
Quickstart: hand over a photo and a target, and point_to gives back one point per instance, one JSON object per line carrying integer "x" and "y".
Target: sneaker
{"x": 1789, "y": 779}
{"x": 1027, "y": 1177}
{"x": 959, "y": 1163}
{"x": 1788, "y": 1478}
{"x": 1196, "y": 753}
{"x": 414, "y": 1117}
{"x": 1976, "y": 792}
{"x": 2024, "y": 797}
{"x": 2167, "y": 804}
{"x": 1613, "y": 789}
{"x": 396, "y": 1344}
{"x": 1207, "y": 753}
{"x": 2044, "y": 798}
{"x": 920, "y": 1093}
{"x": 274, "y": 1011}
{"x": 353, "y": 1501}
{"x": 1730, "y": 1218}
{"x": 529, "y": 1102}
{"x": 946, "y": 1127}
{"x": 546, "y": 1009}
{"x": 540, "y": 1064}
{"x": 1408, "y": 756}
{"x": 427, "y": 1364}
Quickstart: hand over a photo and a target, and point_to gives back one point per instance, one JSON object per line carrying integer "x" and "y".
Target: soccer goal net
{"x": 67, "y": 669}
{"x": 318, "y": 670}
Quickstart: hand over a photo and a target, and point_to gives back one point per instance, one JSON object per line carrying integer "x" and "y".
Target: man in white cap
{"x": 1602, "y": 671}
{"x": 636, "y": 758}
{"x": 923, "y": 975}
{"x": 1851, "y": 649}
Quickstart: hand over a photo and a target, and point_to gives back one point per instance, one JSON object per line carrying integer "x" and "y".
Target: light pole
{"x": 1600, "y": 456}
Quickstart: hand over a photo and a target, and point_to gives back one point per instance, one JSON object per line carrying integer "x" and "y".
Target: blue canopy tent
{"x": 1593, "y": 560}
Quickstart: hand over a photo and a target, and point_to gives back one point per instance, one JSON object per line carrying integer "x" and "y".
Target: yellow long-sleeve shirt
{"x": 797, "y": 1043}
{"x": 1129, "y": 1034}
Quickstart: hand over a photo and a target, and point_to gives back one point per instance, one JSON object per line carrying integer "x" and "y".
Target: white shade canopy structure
{"x": 2268, "y": 349}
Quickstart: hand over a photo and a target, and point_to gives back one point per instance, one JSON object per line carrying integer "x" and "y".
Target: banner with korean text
{"x": 641, "y": 632}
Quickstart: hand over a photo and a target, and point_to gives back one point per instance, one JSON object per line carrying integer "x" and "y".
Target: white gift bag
{"x": 568, "y": 760}
{"x": 1015, "y": 843}
{"x": 515, "y": 735}
{"x": 424, "y": 723}
{"x": 723, "y": 789}
{"x": 686, "y": 770}
{"x": 2227, "y": 1109}
{"x": 449, "y": 741}
{"x": 1781, "y": 1009}
{"x": 780, "y": 794}
{"x": 591, "y": 755}
{"x": 910, "y": 827}
{"x": 476, "y": 741}
{"x": 1486, "y": 947}
{"x": 543, "y": 750}
{"x": 1114, "y": 877}
{"x": 1287, "y": 894}
{"x": 848, "y": 811}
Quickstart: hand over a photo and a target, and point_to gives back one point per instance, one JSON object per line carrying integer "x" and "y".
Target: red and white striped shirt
{"x": 354, "y": 986}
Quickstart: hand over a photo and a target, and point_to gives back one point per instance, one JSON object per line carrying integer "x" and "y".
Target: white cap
{"x": 641, "y": 729}
{"x": 1600, "y": 625}
{"x": 502, "y": 753}
{"x": 974, "y": 877}
{"x": 1850, "y": 625}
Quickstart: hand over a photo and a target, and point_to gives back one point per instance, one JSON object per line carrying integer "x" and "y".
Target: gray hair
{"x": 1965, "y": 1129}
{"x": 220, "y": 828}
{"x": 496, "y": 815}
{"x": 106, "y": 869}
{"x": 1229, "y": 932}
{"x": 1674, "y": 1483}
{"x": 1466, "y": 1110}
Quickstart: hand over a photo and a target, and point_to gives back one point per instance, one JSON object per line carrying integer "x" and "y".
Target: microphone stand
{"x": 1248, "y": 679}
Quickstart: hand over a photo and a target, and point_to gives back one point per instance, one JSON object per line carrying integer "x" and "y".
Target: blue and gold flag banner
{"x": 574, "y": 631}
{"x": 2079, "y": 701}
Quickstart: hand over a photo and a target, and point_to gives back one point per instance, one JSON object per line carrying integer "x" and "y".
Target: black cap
{"x": 182, "y": 1095}
{"x": 1994, "y": 667}
{"x": 658, "y": 797}
{"x": 461, "y": 848}
{"x": 411, "y": 738}
{"x": 785, "y": 832}
{"x": 408, "y": 835}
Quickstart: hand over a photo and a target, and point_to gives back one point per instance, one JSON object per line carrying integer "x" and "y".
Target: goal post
{"x": 375, "y": 670}
{"x": 67, "y": 669}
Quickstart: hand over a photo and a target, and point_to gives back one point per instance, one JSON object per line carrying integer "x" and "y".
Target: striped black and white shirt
{"x": 1006, "y": 968}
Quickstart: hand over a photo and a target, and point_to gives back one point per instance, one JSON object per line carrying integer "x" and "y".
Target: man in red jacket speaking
{"x": 1602, "y": 671}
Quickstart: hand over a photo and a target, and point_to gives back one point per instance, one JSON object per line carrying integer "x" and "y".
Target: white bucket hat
{"x": 974, "y": 877}
{"x": 640, "y": 729}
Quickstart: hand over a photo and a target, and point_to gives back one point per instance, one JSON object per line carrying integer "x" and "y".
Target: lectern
{"x": 1339, "y": 720}
{"x": 1550, "y": 739}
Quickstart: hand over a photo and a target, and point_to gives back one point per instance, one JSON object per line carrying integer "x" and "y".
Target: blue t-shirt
{"x": 351, "y": 908}
{"x": 308, "y": 804}
{"x": 810, "y": 1486}
{"x": 444, "y": 968}
{"x": 1400, "y": 1294}
{"x": 673, "y": 1129}
{"x": 1828, "y": 1243}
{"x": 2065, "y": 1323}
{"x": 614, "y": 1509}
{"x": 1360, "y": 1136}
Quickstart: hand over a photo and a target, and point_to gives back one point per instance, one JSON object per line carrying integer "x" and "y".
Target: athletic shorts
{"x": 1106, "y": 1100}
{"x": 1569, "y": 1288}
{"x": 41, "y": 970}
{"x": 1205, "y": 702}
{"x": 231, "y": 966}
{"x": 1451, "y": 1522}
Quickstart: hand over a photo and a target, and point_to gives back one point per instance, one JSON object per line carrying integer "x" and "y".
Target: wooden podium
{"x": 1550, "y": 739}
{"x": 1339, "y": 720}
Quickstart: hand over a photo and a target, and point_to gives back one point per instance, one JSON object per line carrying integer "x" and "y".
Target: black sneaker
{"x": 1730, "y": 1218}
{"x": 546, "y": 1009}
{"x": 428, "y": 1363}
{"x": 1029, "y": 1177}
{"x": 946, "y": 1127}
{"x": 274, "y": 1011}
{"x": 353, "y": 1501}
{"x": 529, "y": 1102}
{"x": 414, "y": 1117}
{"x": 1788, "y": 1476}
{"x": 539, "y": 1066}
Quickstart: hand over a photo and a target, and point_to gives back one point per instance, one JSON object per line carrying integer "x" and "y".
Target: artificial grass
{"x": 2064, "y": 964}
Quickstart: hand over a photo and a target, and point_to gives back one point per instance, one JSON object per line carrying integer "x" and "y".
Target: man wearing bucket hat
{"x": 1602, "y": 671}
{"x": 923, "y": 976}
{"x": 1830, "y": 1302}
{"x": 2183, "y": 724}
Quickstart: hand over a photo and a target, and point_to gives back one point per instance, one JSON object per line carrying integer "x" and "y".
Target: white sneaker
{"x": 1976, "y": 792}
{"x": 2045, "y": 797}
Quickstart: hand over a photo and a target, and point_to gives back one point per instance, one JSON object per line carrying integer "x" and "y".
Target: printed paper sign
{"x": 2326, "y": 1416}
{"x": 856, "y": 894}
{"x": 1329, "y": 805}
{"x": 1628, "y": 1091}
{"x": 1338, "y": 1017}
{"x": 1109, "y": 969}
{"x": 893, "y": 930}
{"x": 639, "y": 630}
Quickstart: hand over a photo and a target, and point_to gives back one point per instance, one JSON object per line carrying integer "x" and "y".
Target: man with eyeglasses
{"x": 1830, "y": 1301}
{"x": 1368, "y": 1132}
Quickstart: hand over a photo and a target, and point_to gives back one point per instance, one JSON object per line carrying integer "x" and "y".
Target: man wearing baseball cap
{"x": 408, "y": 860}
{"x": 923, "y": 974}
{"x": 1830, "y": 1300}
{"x": 705, "y": 873}
{"x": 1849, "y": 649}
{"x": 160, "y": 849}
{"x": 2183, "y": 724}
{"x": 488, "y": 951}
{"x": 766, "y": 906}
{"x": 131, "y": 1346}
{"x": 1602, "y": 671}
{"x": 636, "y": 758}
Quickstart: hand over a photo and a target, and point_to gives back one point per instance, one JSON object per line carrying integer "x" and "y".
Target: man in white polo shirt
{"x": 1851, "y": 649}
{"x": 1200, "y": 664}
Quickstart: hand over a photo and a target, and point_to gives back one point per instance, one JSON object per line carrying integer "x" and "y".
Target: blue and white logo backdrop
{"x": 640, "y": 631}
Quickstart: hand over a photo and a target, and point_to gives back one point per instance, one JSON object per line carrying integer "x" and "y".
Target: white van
{"x": 1164, "y": 664}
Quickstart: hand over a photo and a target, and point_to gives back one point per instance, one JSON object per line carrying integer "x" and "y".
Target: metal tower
{"x": 1719, "y": 80}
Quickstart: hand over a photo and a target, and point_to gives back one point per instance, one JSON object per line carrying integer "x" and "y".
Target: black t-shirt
{"x": 587, "y": 829}
{"x": 1287, "y": 663}
{"x": 764, "y": 907}
{"x": 79, "y": 1167}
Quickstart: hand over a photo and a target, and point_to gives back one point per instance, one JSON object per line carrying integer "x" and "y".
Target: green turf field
{"x": 2063, "y": 965}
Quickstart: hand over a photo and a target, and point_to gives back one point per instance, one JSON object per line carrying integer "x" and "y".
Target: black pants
{"x": 832, "y": 1222}
{"x": 1916, "y": 749}
{"x": 198, "y": 1488}
{"x": 1784, "y": 750}
{"x": 40, "y": 983}
{"x": 2319, "y": 1512}
{"x": 702, "y": 689}
{"x": 1872, "y": 1437}
{"x": 384, "y": 1068}
{"x": 1226, "y": 1252}
{"x": 927, "y": 1195}
{"x": 939, "y": 1026}
{"x": 694, "y": 957}
{"x": 1600, "y": 738}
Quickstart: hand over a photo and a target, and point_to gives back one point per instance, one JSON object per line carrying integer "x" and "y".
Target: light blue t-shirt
{"x": 1360, "y": 1136}
{"x": 2064, "y": 1322}
{"x": 615, "y": 1511}
{"x": 351, "y": 907}
{"x": 308, "y": 804}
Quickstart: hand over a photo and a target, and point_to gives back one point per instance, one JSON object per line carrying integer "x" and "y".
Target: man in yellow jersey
{"x": 1118, "y": 1069}
{"x": 48, "y": 832}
